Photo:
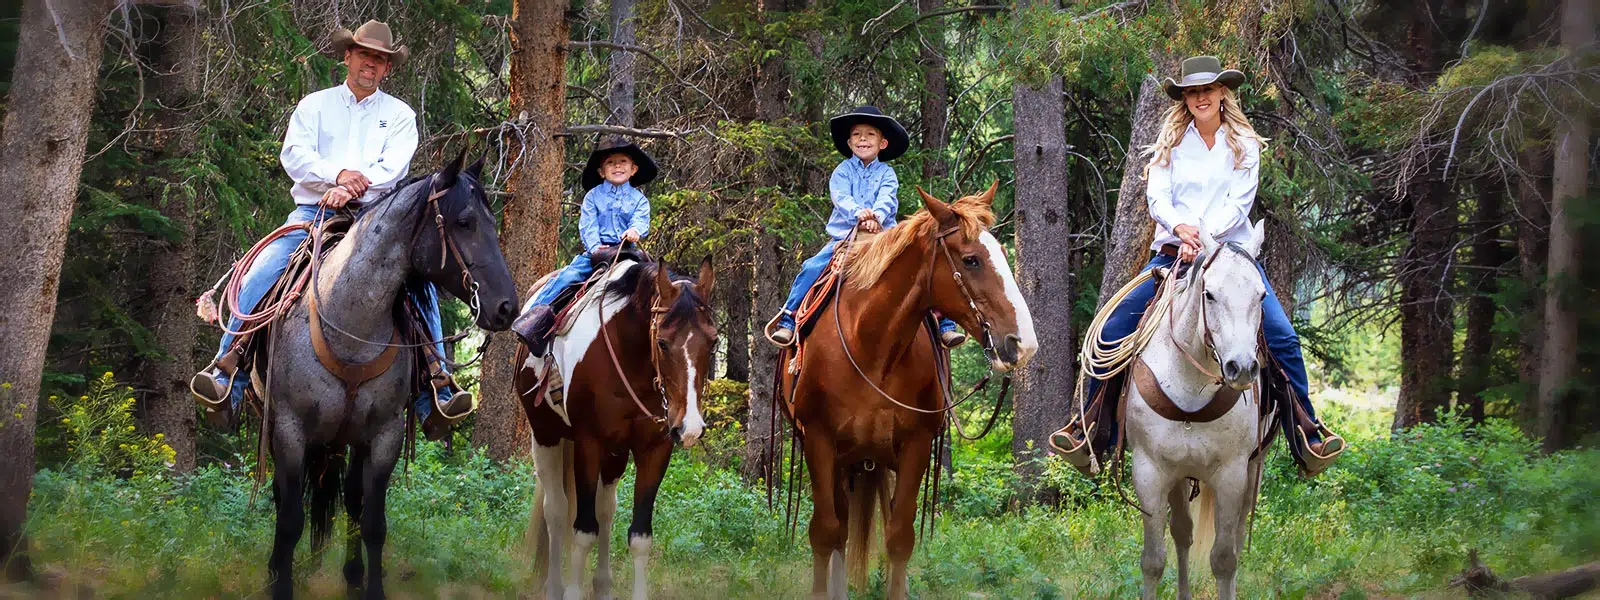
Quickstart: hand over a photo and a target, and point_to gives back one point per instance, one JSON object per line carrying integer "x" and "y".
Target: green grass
{"x": 1394, "y": 519}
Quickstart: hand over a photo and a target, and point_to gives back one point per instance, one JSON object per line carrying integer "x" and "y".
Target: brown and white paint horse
{"x": 943, "y": 258}
{"x": 634, "y": 394}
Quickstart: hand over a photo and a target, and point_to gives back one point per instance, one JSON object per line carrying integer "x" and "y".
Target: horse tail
{"x": 1205, "y": 524}
{"x": 325, "y": 470}
{"x": 866, "y": 497}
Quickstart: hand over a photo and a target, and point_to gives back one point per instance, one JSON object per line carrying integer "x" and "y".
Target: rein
{"x": 657, "y": 312}
{"x": 988, "y": 340}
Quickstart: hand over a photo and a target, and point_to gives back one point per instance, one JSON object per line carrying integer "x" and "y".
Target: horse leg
{"x": 901, "y": 536}
{"x": 1152, "y": 484}
{"x": 605, "y": 512}
{"x": 288, "y": 482}
{"x": 650, "y": 466}
{"x": 585, "y": 525}
{"x": 352, "y": 508}
{"x": 827, "y": 531}
{"x": 550, "y": 466}
{"x": 1229, "y": 486}
{"x": 1182, "y": 533}
{"x": 380, "y": 460}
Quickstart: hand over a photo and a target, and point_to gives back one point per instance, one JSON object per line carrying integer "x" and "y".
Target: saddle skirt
{"x": 582, "y": 312}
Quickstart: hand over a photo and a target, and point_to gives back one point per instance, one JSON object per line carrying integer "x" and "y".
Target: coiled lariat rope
{"x": 1104, "y": 360}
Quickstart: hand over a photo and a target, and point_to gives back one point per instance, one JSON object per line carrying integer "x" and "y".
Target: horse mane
{"x": 638, "y": 286}
{"x": 866, "y": 264}
{"x": 449, "y": 204}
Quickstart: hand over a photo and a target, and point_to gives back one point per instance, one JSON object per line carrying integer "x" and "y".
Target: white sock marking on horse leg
{"x": 997, "y": 257}
{"x": 606, "y": 510}
{"x": 639, "y": 546}
{"x": 838, "y": 580}
{"x": 582, "y": 543}
{"x": 693, "y": 423}
{"x": 550, "y": 464}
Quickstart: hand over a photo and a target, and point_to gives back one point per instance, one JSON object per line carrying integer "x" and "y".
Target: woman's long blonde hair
{"x": 1177, "y": 121}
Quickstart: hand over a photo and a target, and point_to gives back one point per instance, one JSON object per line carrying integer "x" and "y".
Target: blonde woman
{"x": 1203, "y": 172}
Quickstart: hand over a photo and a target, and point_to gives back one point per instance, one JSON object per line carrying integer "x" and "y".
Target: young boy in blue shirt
{"x": 865, "y": 194}
{"x": 614, "y": 211}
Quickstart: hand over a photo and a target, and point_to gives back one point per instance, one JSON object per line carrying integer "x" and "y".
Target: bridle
{"x": 1204, "y": 266}
{"x": 987, "y": 341}
{"x": 657, "y": 315}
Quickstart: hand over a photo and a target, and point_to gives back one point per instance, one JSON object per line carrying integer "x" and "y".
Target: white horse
{"x": 1206, "y": 345}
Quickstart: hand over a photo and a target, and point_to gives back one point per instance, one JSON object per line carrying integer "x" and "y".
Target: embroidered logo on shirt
{"x": 382, "y": 124}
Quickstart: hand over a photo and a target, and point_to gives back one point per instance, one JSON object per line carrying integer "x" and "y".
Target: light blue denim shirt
{"x": 608, "y": 211}
{"x": 855, "y": 186}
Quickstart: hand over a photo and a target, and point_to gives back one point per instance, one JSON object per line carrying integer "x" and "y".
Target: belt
{"x": 1168, "y": 250}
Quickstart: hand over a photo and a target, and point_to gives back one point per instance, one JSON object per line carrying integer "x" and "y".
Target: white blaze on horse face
{"x": 1019, "y": 306}
{"x": 693, "y": 424}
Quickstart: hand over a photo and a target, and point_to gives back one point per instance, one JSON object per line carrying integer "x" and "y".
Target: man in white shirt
{"x": 346, "y": 145}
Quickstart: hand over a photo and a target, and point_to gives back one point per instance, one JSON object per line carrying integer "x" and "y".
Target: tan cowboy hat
{"x": 1201, "y": 70}
{"x": 373, "y": 35}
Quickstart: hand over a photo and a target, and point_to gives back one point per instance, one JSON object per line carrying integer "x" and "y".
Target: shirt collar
{"x": 606, "y": 187}
{"x": 350, "y": 96}
{"x": 855, "y": 161}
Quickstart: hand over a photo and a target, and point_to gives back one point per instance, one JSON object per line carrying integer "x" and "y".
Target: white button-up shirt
{"x": 1200, "y": 187}
{"x": 331, "y": 132}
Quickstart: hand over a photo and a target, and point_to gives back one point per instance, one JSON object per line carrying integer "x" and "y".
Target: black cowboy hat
{"x": 1201, "y": 70}
{"x": 591, "y": 171}
{"x": 892, "y": 131}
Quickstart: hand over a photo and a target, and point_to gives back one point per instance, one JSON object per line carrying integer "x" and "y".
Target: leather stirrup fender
{"x": 352, "y": 374}
{"x": 1157, "y": 400}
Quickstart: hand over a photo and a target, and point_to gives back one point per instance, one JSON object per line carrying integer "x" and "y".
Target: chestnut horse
{"x": 636, "y": 390}
{"x": 867, "y": 398}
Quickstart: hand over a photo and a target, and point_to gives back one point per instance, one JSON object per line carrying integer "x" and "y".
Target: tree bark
{"x": 41, "y": 156}
{"x": 935, "y": 97}
{"x": 539, "y": 32}
{"x": 1132, "y": 229}
{"x": 1478, "y": 349}
{"x": 1043, "y": 225}
{"x": 1569, "y": 183}
{"x": 1533, "y": 247}
{"x": 733, "y": 284}
{"x": 169, "y": 409}
{"x": 622, "y": 32}
{"x": 1427, "y": 324}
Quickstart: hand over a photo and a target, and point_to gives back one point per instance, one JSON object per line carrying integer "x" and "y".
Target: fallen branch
{"x": 573, "y": 130}
{"x": 1480, "y": 580}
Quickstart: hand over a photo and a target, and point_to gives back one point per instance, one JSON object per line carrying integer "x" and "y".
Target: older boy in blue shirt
{"x": 614, "y": 211}
{"x": 865, "y": 194}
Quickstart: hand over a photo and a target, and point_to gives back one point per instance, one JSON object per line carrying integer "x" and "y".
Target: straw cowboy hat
{"x": 840, "y": 128}
{"x": 1201, "y": 70}
{"x": 373, "y": 35}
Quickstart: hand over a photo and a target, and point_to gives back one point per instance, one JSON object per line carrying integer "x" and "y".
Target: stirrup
{"x": 771, "y": 330}
{"x": 208, "y": 379}
{"x": 437, "y": 382}
{"x": 1313, "y": 463}
{"x": 952, "y": 339}
{"x": 1079, "y": 455}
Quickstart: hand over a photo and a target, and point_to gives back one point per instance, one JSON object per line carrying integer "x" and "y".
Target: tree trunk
{"x": 1569, "y": 184}
{"x": 621, "y": 97}
{"x": 169, "y": 409}
{"x": 1533, "y": 247}
{"x": 1427, "y": 324}
{"x": 41, "y": 156}
{"x": 533, "y": 210}
{"x": 733, "y": 284}
{"x": 935, "y": 96}
{"x": 1478, "y": 349}
{"x": 1132, "y": 229}
{"x": 1042, "y": 228}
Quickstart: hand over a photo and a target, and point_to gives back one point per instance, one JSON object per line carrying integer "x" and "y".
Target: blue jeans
{"x": 810, "y": 271}
{"x": 573, "y": 274}
{"x": 270, "y": 264}
{"x": 1282, "y": 341}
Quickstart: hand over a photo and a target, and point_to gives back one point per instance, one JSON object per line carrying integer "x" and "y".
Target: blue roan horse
{"x": 340, "y": 376}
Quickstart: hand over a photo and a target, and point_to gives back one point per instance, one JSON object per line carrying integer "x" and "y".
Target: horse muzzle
{"x": 1240, "y": 374}
{"x": 1011, "y": 353}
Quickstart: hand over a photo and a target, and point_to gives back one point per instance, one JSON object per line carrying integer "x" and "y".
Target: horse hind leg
{"x": 605, "y": 513}
{"x": 1152, "y": 485}
{"x": 353, "y": 568}
{"x": 1182, "y": 532}
{"x": 550, "y": 464}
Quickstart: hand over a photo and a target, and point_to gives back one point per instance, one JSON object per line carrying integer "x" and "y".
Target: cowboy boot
{"x": 783, "y": 336}
{"x": 437, "y": 426}
{"x": 953, "y": 338}
{"x": 534, "y": 327}
{"x": 1321, "y": 454}
{"x": 213, "y": 396}
{"x": 1071, "y": 443}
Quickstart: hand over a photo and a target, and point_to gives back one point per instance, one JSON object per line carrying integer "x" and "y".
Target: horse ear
{"x": 1208, "y": 243}
{"x": 447, "y": 177}
{"x": 664, "y": 288}
{"x": 707, "y": 280}
{"x": 936, "y": 207}
{"x": 476, "y": 169}
{"x": 1258, "y": 236}
{"x": 987, "y": 197}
